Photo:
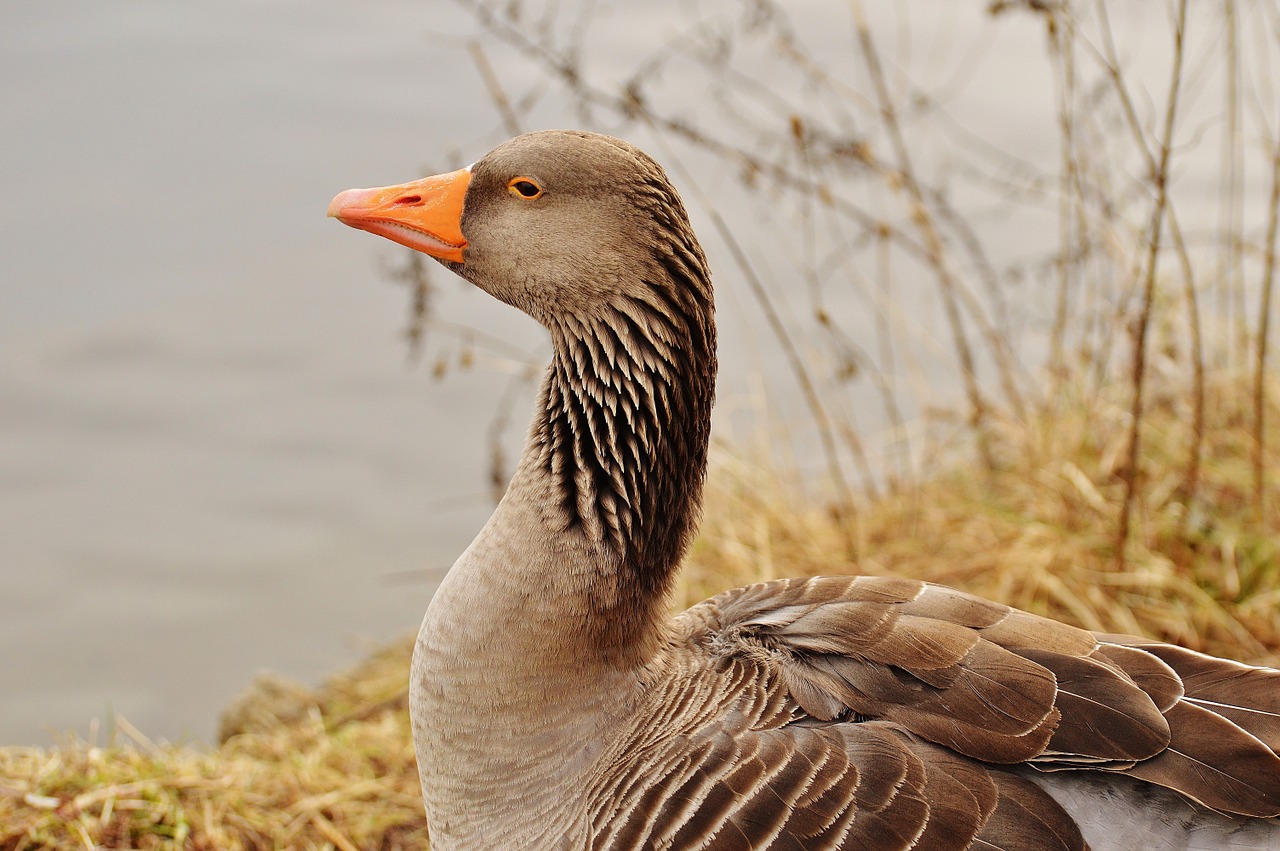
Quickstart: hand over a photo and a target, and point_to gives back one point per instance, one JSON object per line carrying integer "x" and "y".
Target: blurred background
{"x": 235, "y": 436}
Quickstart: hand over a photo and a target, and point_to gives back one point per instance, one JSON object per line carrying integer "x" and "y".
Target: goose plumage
{"x": 555, "y": 704}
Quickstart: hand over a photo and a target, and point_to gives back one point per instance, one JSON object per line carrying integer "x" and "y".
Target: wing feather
{"x": 1248, "y": 696}
{"x": 1105, "y": 716}
{"x": 1027, "y": 817}
{"x": 879, "y": 713}
{"x": 1216, "y": 763}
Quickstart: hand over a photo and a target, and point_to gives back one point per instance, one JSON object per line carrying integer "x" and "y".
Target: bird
{"x": 556, "y": 704}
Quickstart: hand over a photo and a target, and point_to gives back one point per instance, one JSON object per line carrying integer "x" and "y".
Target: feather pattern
{"x": 555, "y": 705}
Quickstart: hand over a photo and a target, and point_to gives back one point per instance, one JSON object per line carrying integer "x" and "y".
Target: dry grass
{"x": 333, "y": 769}
{"x": 327, "y": 770}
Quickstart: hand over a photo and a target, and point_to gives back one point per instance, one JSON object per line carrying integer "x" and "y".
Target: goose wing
{"x": 850, "y": 712}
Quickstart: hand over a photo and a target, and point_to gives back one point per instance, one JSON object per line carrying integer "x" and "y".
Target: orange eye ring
{"x": 524, "y": 188}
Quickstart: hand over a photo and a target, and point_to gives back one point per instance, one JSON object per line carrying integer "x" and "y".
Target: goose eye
{"x": 525, "y": 188}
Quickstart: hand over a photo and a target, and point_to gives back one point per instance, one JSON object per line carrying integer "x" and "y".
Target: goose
{"x": 556, "y": 704}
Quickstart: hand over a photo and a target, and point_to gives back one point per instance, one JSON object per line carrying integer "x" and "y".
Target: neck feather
{"x": 622, "y": 436}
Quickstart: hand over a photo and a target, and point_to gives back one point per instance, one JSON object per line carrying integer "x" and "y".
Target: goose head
{"x": 551, "y": 222}
{"x": 584, "y": 233}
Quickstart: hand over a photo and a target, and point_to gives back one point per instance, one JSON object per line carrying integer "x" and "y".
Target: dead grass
{"x": 337, "y": 772}
{"x": 333, "y": 769}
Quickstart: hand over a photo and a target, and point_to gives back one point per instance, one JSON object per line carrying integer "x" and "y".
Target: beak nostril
{"x": 408, "y": 200}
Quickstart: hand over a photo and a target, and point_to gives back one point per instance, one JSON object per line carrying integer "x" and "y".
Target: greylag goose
{"x": 555, "y": 704}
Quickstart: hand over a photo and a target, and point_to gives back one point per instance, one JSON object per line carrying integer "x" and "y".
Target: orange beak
{"x": 425, "y": 215}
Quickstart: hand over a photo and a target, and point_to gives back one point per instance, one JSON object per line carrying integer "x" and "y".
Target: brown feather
{"x": 886, "y": 589}
{"x": 1104, "y": 714}
{"x": 890, "y": 796}
{"x": 1248, "y": 696}
{"x": 931, "y": 650}
{"x": 947, "y": 604}
{"x": 679, "y": 785}
{"x": 840, "y": 627}
{"x": 961, "y": 797}
{"x": 1161, "y": 683}
{"x": 1028, "y": 818}
{"x": 1211, "y": 760}
{"x": 1018, "y": 630}
{"x": 823, "y": 808}
{"x": 713, "y": 809}
{"x": 1008, "y": 694}
{"x": 816, "y": 691}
